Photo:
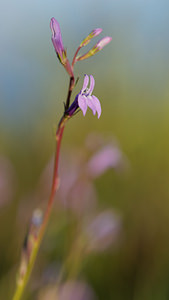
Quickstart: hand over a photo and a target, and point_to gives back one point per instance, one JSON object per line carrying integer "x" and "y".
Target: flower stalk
{"x": 83, "y": 100}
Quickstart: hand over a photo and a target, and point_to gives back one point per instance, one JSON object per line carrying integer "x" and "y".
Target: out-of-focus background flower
{"x": 127, "y": 206}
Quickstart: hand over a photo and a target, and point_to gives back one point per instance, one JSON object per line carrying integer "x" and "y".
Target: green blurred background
{"x": 132, "y": 75}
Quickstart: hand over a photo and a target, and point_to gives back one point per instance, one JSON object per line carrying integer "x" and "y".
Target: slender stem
{"x": 74, "y": 58}
{"x": 55, "y": 184}
{"x": 71, "y": 86}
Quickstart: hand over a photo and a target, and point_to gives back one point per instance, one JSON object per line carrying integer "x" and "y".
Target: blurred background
{"x": 131, "y": 75}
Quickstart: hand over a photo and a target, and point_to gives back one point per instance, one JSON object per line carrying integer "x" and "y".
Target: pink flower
{"x": 85, "y": 99}
{"x": 107, "y": 157}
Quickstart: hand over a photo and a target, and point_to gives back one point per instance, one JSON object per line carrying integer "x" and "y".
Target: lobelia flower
{"x": 85, "y": 99}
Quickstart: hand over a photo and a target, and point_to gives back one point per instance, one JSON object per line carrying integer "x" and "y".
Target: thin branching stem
{"x": 74, "y": 58}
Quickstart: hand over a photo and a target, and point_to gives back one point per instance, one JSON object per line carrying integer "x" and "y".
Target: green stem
{"x": 20, "y": 287}
{"x": 55, "y": 184}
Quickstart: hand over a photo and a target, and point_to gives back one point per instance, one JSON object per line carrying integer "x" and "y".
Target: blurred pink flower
{"x": 76, "y": 192}
{"x": 82, "y": 197}
{"x": 71, "y": 290}
{"x": 75, "y": 290}
{"x": 102, "y": 230}
{"x": 108, "y": 157}
{"x": 78, "y": 168}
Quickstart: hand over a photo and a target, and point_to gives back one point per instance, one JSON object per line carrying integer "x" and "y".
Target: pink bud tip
{"x": 103, "y": 42}
{"x": 55, "y": 27}
{"x": 97, "y": 31}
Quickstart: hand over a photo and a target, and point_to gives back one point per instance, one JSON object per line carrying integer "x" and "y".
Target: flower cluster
{"x": 85, "y": 98}
{"x": 61, "y": 52}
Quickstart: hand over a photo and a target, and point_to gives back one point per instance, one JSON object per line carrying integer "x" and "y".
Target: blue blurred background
{"x": 131, "y": 75}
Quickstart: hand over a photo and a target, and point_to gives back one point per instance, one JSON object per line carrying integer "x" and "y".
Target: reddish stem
{"x": 74, "y": 58}
{"x": 55, "y": 182}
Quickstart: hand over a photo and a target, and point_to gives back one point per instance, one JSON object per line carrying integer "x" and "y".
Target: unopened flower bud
{"x": 94, "y": 33}
{"x": 99, "y": 46}
{"x": 58, "y": 45}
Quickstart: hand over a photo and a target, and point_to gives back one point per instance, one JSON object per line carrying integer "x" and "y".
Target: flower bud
{"x": 99, "y": 46}
{"x": 94, "y": 33}
{"x": 58, "y": 45}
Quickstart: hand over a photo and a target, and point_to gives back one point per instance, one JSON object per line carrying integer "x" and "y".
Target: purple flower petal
{"x": 56, "y": 37}
{"x": 55, "y": 27}
{"x": 92, "y": 83}
{"x": 97, "y": 105}
{"x": 85, "y": 83}
{"x": 84, "y": 99}
{"x": 82, "y": 102}
{"x": 90, "y": 104}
